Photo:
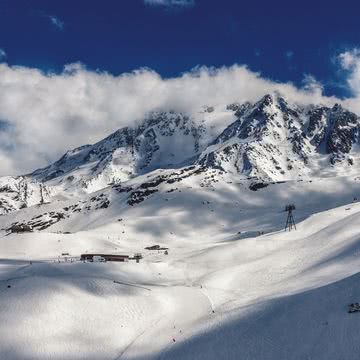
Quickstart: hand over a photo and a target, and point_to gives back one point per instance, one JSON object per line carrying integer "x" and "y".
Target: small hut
{"x": 107, "y": 257}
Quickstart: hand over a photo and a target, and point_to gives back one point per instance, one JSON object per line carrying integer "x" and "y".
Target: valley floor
{"x": 216, "y": 295}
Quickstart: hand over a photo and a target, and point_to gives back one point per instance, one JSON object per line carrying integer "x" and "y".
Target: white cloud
{"x": 350, "y": 62}
{"x": 289, "y": 54}
{"x": 170, "y": 3}
{"x": 350, "y": 58}
{"x": 46, "y": 114}
{"x": 257, "y": 52}
{"x": 3, "y": 54}
{"x": 58, "y": 24}
{"x": 312, "y": 85}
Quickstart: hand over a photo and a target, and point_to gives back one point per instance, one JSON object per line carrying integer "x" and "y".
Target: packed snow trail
{"x": 136, "y": 338}
{"x": 183, "y": 306}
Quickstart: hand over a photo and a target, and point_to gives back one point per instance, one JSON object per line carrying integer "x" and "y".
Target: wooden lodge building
{"x": 107, "y": 257}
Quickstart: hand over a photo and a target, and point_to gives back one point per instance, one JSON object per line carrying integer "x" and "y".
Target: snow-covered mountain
{"x": 163, "y": 140}
{"x": 270, "y": 140}
{"x": 274, "y": 140}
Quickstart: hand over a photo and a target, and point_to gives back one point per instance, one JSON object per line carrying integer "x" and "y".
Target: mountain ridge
{"x": 270, "y": 140}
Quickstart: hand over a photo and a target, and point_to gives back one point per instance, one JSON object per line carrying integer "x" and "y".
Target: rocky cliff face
{"x": 333, "y": 131}
{"x": 275, "y": 140}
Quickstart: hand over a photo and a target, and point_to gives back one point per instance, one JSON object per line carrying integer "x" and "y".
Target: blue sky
{"x": 282, "y": 39}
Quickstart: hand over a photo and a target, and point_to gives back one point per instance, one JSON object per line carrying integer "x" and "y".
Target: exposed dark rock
{"x": 257, "y": 186}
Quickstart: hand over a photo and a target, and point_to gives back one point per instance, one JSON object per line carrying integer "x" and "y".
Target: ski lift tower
{"x": 290, "y": 222}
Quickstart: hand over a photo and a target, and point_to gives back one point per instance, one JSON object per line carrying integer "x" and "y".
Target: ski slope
{"x": 218, "y": 294}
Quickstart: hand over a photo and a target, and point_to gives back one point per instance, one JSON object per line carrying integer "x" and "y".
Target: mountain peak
{"x": 337, "y": 107}
{"x": 266, "y": 100}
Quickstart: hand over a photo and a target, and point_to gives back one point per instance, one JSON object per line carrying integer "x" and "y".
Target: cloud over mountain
{"x": 43, "y": 114}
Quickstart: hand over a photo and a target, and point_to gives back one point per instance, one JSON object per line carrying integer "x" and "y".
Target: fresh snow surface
{"x": 222, "y": 292}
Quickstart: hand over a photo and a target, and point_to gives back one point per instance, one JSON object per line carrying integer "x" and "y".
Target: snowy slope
{"x": 267, "y": 292}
